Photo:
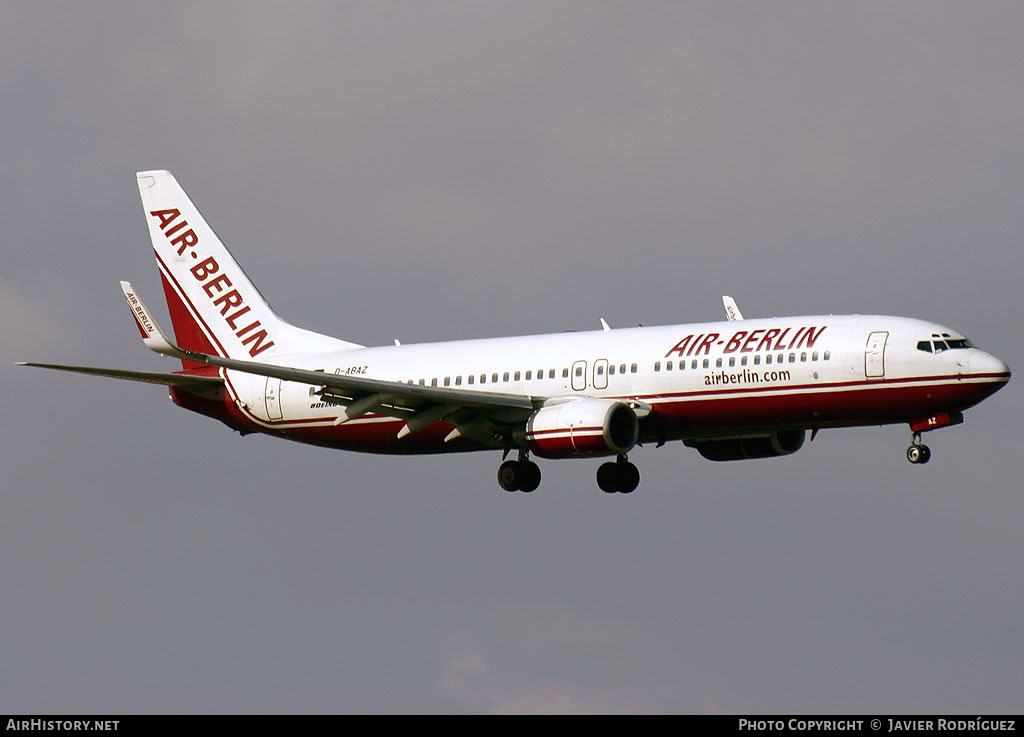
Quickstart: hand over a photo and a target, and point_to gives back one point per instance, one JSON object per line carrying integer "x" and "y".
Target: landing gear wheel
{"x": 608, "y": 478}
{"x": 919, "y": 454}
{"x": 622, "y": 477}
{"x": 529, "y": 476}
{"x": 509, "y": 474}
{"x": 522, "y": 475}
{"x": 629, "y": 477}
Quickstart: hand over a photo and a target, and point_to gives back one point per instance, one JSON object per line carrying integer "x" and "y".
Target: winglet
{"x": 732, "y": 311}
{"x": 152, "y": 335}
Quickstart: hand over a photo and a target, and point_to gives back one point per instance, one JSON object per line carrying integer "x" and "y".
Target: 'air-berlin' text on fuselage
{"x": 207, "y": 273}
{"x": 762, "y": 339}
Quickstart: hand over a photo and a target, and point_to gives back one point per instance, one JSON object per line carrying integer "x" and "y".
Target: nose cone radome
{"x": 985, "y": 364}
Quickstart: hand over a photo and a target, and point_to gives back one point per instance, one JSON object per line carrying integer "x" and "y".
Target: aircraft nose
{"x": 985, "y": 363}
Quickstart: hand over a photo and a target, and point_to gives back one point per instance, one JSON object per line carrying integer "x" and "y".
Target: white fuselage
{"x": 815, "y": 371}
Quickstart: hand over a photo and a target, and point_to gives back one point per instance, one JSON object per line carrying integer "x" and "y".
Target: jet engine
{"x": 582, "y": 428}
{"x": 778, "y": 443}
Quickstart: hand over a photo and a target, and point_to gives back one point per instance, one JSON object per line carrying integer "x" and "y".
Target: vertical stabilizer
{"x": 214, "y": 306}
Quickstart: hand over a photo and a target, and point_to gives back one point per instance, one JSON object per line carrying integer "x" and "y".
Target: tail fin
{"x": 214, "y": 307}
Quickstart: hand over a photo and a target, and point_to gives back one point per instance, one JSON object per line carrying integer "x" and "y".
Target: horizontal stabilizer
{"x": 150, "y": 377}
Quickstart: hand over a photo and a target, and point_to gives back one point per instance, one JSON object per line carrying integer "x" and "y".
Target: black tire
{"x": 509, "y": 475}
{"x": 629, "y": 478}
{"x": 608, "y": 478}
{"x": 914, "y": 454}
{"x": 529, "y": 476}
{"x": 926, "y": 454}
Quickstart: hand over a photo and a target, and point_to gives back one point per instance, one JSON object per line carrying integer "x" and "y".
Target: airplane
{"x": 732, "y": 390}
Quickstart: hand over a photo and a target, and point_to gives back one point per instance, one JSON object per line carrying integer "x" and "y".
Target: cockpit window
{"x": 944, "y": 342}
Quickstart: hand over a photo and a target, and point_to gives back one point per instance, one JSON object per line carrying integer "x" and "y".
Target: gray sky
{"x": 446, "y": 170}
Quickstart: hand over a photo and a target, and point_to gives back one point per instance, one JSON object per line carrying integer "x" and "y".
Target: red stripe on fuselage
{"x": 687, "y": 416}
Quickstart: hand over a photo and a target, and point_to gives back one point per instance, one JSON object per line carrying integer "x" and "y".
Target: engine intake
{"x": 582, "y": 428}
{"x": 779, "y": 443}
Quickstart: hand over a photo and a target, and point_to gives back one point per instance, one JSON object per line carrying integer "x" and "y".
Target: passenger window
{"x": 611, "y": 370}
{"x": 743, "y": 361}
{"x": 423, "y": 382}
{"x": 828, "y": 354}
{"x": 622, "y": 368}
{"x": 600, "y": 370}
{"x": 433, "y": 382}
{"x": 718, "y": 363}
{"x": 447, "y": 381}
{"x": 657, "y": 366}
{"x": 483, "y": 378}
{"x": 757, "y": 360}
{"x": 504, "y": 376}
{"x": 668, "y": 366}
{"x": 458, "y": 381}
{"x": 529, "y": 375}
{"x": 792, "y": 358}
{"x": 579, "y": 371}
{"x": 732, "y": 360}
{"x": 768, "y": 359}
{"x": 471, "y": 377}
{"x": 694, "y": 364}
{"x": 633, "y": 368}
{"x": 516, "y": 376}
{"x": 803, "y": 357}
{"x": 565, "y": 373}
{"x": 551, "y": 373}
{"x": 705, "y": 363}
{"x": 494, "y": 378}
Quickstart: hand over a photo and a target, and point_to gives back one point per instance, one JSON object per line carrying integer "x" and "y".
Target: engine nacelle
{"x": 582, "y": 427}
{"x": 779, "y": 443}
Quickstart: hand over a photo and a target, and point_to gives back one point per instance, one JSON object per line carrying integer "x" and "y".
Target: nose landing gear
{"x": 918, "y": 453}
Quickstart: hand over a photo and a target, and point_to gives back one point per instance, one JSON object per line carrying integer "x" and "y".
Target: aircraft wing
{"x": 150, "y": 377}
{"x": 361, "y": 384}
{"x": 475, "y": 414}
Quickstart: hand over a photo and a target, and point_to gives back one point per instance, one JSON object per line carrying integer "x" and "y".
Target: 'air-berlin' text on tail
{"x": 214, "y": 306}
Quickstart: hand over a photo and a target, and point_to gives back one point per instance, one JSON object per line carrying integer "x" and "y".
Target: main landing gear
{"x": 621, "y": 476}
{"x": 918, "y": 453}
{"x": 521, "y": 475}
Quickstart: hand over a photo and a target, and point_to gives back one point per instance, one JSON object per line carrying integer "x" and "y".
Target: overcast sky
{"x": 434, "y": 170}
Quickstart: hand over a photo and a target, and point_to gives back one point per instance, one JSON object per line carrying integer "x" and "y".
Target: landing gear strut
{"x": 621, "y": 476}
{"x": 918, "y": 453}
{"x": 520, "y": 475}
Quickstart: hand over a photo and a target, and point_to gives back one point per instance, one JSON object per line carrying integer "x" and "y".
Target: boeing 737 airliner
{"x": 732, "y": 390}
